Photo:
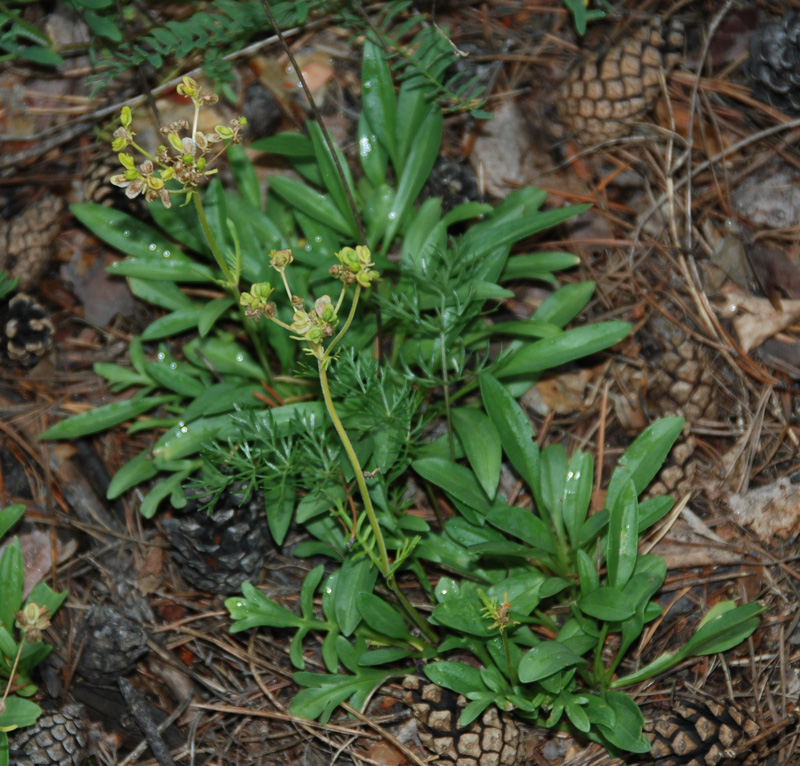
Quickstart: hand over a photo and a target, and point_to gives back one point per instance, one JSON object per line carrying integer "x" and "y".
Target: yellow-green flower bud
{"x": 126, "y": 117}
{"x": 280, "y": 259}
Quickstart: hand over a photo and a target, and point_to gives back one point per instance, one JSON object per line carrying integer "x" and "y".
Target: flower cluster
{"x": 186, "y": 159}
{"x": 33, "y": 620}
{"x": 355, "y": 265}
{"x": 256, "y": 303}
{"x": 316, "y": 325}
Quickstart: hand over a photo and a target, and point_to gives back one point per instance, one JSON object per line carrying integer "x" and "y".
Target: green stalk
{"x": 384, "y": 566}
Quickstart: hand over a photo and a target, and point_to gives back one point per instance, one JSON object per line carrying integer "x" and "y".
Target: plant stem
{"x": 14, "y": 668}
{"x": 384, "y": 566}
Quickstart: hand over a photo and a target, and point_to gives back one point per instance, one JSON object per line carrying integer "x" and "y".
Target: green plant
{"x": 539, "y": 597}
{"x": 19, "y": 39}
{"x": 21, "y": 626}
{"x": 433, "y": 301}
{"x": 550, "y": 601}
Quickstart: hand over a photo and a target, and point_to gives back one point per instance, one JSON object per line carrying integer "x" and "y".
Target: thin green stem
{"x": 347, "y": 323}
{"x": 383, "y": 563}
{"x": 14, "y": 668}
{"x": 507, "y": 651}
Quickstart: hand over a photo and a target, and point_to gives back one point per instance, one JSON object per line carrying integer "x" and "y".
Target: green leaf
{"x": 10, "y": 516}
{"x": 421, "y": 158}
{"x": 525, "y": 525}
{"x": 622, "y": 542}
{"x": 170, "y": 269}
{"x": 331, "y": 177}
{"x": 280, "y": 499}
{"x": 606, "y": 603}
{"x": 106, "y": 416}
{"x": 570, "y": 345}
{"x": 162, "y": 490}
{"x": 318, "y": 206}
{"x": 286, "y": 144}
{"x": 253, "y": 609}
{"x": 44, "y": 595}
{"x": 310, "y": 584}
{"x": 644, "y": 458}
{"x": 11, "y": 579}
{"x": 725, "y": 626}
{"x": 167, "y": 295}
{"x": 223, "y": 355}
{"x": 514, "y": 428}
{"x": 454, "y": 479}
{"x": 378, "y": 99}
{"x": 503, "y": 229}
{"x": 356, "y": 576}
{"x": 626, "y": 732}
{"x": 577, "y": 495}
{"x": 536, "y": 264}
{"x": 562, "y": 306}
{"x": 18, "y": 713}
{"x": 381, "y": 617}
{"x": 326, "y": 692}
{"x": 464, "y": 614}
{"x": 103, "y": 27}
{"x": 371, "y": 153}
{"x": 456, "y": 676}
{"x": 245, "y": 174}
{"x": 545, "y": 660}
{"x": 211, "y": 312}
{"x": 222, "y": 397}
{"x": 127, "y": 234}
{"x": 481, "y": 443}
{"x": 576, "y": 714}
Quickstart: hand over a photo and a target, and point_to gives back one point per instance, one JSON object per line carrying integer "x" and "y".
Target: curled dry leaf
{"x": 771, "y": 511}
{"x": 755, "y": 319}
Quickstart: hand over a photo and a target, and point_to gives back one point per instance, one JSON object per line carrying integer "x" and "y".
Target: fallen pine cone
{"x": 703, "y": 733}
{"x": 491, "y": 740}
{"x": 58, "y": 738}
{"x": 602, "y": 98}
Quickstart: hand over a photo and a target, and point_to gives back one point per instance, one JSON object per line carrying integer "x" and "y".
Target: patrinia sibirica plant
{"x": 389, "y": 309}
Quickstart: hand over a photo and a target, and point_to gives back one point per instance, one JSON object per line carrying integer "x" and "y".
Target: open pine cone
{"x": 26, "y": 332}
{"x": 774, "y": 65}
{"x": 217, "y": 552}
{"x": 706, "y": 733}
{"x": 491, "y": 740}
{"x": 602, "y": 98}
{"x": 58, "y": 738}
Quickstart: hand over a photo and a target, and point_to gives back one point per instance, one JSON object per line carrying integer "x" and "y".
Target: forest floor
{"x": 693, "y": 236}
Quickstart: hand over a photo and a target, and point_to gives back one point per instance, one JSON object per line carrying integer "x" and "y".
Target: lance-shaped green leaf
{"x": 106, "y": 416}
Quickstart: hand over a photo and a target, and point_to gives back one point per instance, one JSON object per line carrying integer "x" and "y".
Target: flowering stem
{"x": 383, "y": 564}
{"x": 14, "y": 669}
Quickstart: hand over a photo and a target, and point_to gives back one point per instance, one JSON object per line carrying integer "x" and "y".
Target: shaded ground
{"x": 692, "y": 236}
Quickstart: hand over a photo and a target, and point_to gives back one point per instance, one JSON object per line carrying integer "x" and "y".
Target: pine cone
{"x": 112, "y": 644}
{"x": 219, "y": 551}
{"x": 26, "y": 332}
{"x": 56, "y": 739}
{"x": 491, "y": 740}
{"x": 704, "y": 733}
{"x": 774, "y": 65}
{"x": 26, "y": 242}
{"x": 455, "y": 182}
{"x": 602, "y": 97}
